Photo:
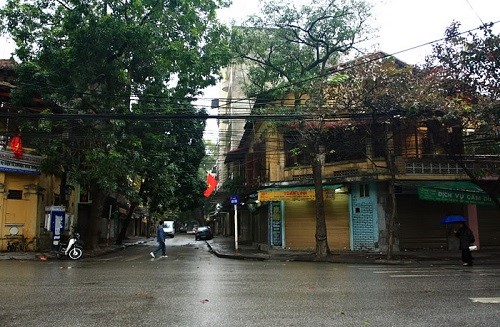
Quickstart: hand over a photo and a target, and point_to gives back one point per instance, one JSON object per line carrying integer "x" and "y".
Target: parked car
{"x": 203, "y": 233}
{"x": 168, "y": 228}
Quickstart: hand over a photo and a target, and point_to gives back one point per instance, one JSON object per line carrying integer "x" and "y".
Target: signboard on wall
{"x": 293, "y": 194}
{"x": 453, "y": 196}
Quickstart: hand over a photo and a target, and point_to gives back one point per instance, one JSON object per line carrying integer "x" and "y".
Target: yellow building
{"x": 20, "y": 201}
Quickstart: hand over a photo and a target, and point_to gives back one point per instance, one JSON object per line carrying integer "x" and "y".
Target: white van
{"x": 168, "y": 228}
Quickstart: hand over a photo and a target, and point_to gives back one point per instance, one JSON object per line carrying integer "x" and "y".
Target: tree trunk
{"x": 128, "y": 220}
{"x": 393, "y": 209}
{"x": 98, "y": 197}
{"x": 322, "y": 249}
{"x": 123, "y": 232}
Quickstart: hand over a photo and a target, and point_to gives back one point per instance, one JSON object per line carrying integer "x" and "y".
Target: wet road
{"x": 192, "y": 287}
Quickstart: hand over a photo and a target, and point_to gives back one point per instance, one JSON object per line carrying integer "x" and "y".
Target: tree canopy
{"x": 116, "y": 57}
{"x": 285, "y": 47}
{"x": 285, "y": 50}
{"x": 465, "y": 70}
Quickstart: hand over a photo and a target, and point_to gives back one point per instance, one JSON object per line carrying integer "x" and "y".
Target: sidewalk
{"x": 103, "y": 249}
{"x": 224, "y": 247}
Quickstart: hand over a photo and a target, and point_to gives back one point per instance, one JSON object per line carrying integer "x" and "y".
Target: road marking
{"x": 421, "y": 275}
{"x": 407, "y": 271}
{"x": 109, "y": 259}
{"x": 485, "y": 300}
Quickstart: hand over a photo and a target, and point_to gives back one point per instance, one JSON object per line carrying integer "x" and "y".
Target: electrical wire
{"x": 474, "y": 11}
{"x": 177, "y": 103}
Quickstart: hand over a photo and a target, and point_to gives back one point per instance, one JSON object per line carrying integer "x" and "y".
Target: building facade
{"x": 358, "y": 181}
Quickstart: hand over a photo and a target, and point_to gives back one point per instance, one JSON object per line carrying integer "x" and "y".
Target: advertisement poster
{"x": 276, "y": 224}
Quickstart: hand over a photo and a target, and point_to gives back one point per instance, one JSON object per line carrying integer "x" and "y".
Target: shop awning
{"x": 463, "y": 192}
{"x": 296, "y": 193}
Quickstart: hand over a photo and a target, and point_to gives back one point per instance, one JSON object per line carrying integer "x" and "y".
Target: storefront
{"x": 292, "y": 217}
{"x": 421, "y": 205}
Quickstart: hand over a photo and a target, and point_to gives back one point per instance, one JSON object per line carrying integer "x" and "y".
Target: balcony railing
{"x": 414, "y": 167}
{"x": 27, "y": 164}
{"x": 432, "y": 167}
{"x": 488, "y": 165}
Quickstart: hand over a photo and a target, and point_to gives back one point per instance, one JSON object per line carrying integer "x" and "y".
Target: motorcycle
{"x": 73, "y": 249}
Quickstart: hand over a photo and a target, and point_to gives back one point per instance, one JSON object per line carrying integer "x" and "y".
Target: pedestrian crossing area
{"x": 481, "y": 280}
{"x": 430, "y": 272}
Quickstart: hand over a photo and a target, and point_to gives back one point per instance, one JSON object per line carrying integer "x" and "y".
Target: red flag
{"x": 212, "y": 184}
{"x": 16, "y": 146}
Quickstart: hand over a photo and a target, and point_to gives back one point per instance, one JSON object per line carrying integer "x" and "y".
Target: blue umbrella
{"x": 453, "y": 219}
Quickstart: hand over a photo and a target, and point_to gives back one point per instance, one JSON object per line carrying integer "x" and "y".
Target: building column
{"x": 473, "y": 224}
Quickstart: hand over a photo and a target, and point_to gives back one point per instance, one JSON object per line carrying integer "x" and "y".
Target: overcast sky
{"x": 402, "y": 24}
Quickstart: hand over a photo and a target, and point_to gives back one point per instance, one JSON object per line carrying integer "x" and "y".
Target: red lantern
{"x": 17, "y": 146}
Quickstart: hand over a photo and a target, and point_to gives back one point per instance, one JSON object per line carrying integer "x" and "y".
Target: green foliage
{"x": 286, "y": 48}
{"x": 210, "y": 158}
{"x": 466, "y": 67}
{"x": 105, "y": 57}
{"x": 234, "y": 186}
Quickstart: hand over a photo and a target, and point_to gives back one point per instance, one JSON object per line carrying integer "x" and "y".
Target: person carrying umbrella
{"x": 466, "y": 238}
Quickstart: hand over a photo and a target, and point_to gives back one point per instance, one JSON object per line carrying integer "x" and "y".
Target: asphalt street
{"x": 193, "y": 287}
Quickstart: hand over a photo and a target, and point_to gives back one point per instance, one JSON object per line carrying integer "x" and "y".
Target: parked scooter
{"x": 73, "y": 249}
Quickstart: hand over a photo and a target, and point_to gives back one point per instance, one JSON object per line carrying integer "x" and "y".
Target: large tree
{"x": 91, "y": 58}
{"x": 286, "y": 49}
{"x": 456, "y": 91}
{"x": 464, "y": 71}
{"x": 374, "y": 96}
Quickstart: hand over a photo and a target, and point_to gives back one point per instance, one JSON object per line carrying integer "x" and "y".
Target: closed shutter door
{"x": 419, "y": 226}
{"x": 300, "y": 223}
{"x": 262, "y": 225}
{"x": 337, "y": 222}
{"x": 489, "y": 225}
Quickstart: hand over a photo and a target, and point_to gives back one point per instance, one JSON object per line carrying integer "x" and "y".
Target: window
{"x": 15, "y": 195}
{"x": 295, "y": 154}
{"x": 345, "y": 144}
{"x": 364, "y": 190}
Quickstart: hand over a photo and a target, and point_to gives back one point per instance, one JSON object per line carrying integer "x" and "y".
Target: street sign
{"x": 234, "y": 199}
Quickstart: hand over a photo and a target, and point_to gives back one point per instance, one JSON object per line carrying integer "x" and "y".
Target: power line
{"x": 173, "y": 101}
{"x": 474, "y": 11}
{"x": 174, "y": 116}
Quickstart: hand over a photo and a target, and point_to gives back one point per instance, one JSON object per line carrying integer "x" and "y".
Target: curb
{"x": 338, "y": 258}
{"x": 238, "y": 256}
{"x": 43, "y": 256}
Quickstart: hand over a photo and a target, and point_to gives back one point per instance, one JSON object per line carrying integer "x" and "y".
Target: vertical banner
{"x": 276, "y": 224}
{"x": 57, "y": 220}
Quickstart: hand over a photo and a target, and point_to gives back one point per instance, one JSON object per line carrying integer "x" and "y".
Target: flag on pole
{"x": 16, "y": 146}
{"x": 212, "y": 184}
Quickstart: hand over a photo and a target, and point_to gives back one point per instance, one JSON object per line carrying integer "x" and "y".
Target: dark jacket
{"x": 160, "y": 234}
{"x": 465, "y": 236}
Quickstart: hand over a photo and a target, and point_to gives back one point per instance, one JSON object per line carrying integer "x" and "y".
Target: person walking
{"x": 160, "y": 238}
{"x": 466, "y": 238}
